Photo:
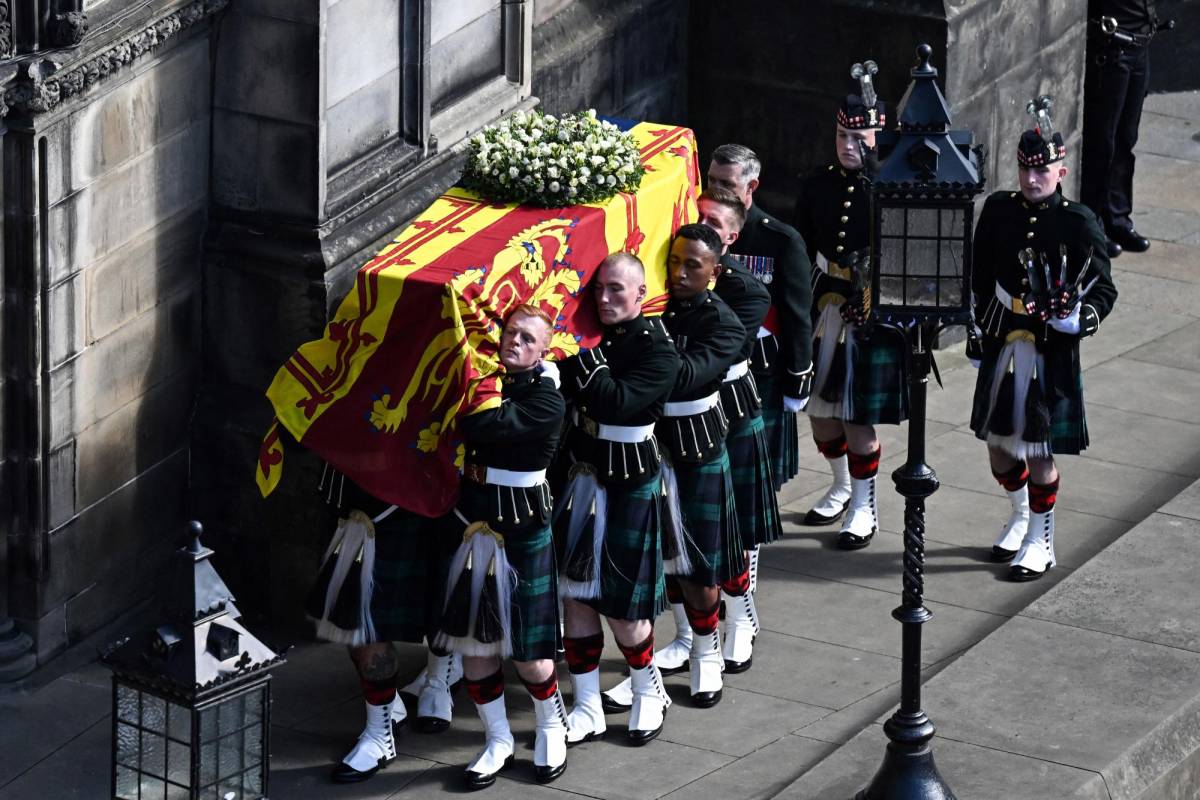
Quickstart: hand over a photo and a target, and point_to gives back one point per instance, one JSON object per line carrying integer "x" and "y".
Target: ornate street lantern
{"x": 191, "y": 698}
{"x": 923, "y": 209}
{"x": 922, "y": 216}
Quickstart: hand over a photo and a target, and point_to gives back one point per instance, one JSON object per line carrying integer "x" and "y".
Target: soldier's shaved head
{"x": 619, "y": 288}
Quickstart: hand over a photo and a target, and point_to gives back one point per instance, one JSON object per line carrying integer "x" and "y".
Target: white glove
{"x": 550, "y": 373}
{"x": 1069, "y": 325}
{"x": 794, "y": 404}
{"x": 974, "y": 362}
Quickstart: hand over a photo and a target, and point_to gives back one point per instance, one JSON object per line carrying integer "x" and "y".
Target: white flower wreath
{"x": 543, "y": 160}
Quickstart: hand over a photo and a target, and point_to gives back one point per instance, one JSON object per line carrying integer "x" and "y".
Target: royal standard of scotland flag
{"x": 414, "y": 343}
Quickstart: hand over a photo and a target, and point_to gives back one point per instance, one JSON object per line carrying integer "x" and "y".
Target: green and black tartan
{"x": 535, "y": 629}
{"x": 1068, "y": 420}
{"x": 632, "y": 585}
{"x": 412, "y": 557}
{"x": 879, "y": 381}
{"x": 779, "y": 430}
{"x": 750, "y": 469}
{"x": 710, "y": 517}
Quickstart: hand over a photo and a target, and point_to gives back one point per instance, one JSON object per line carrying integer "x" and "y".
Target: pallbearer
{"x": 859, "y": 377}
{"x": 608, "y": 516}
{"x": 501, "y": 596}
{"x": 774, "y": 253}
{"x": 702, "y": 525}
{"x": 1041, "y": 284}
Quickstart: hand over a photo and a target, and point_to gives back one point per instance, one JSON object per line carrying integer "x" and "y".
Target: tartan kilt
{"x": 412, "y": 557}
{"x": 877, "y": 391}
{"x": 632, "y": 586}
{"x": 779, "y": 430}
{"x": 706, "y": 499}
{"x": 1068, "y": 420}
{"x": 535, "y": 628}
{"x": 750, "y": 470}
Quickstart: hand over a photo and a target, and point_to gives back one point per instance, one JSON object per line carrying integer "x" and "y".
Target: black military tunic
{"x": 1007, "y": 225}
{"x": 833, "y": 215}
{"x": 773, "y": 252}
{"x": 521, "y": 435}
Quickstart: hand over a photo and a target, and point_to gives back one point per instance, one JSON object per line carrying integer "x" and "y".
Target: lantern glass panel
{"x": 254, "y": 706}
{"x": 252, "y": 781}
{"x": 179, "y": 723}
{"x": 127, "y": 784}
{"x": 179, "y": 763}
{"x": 177, "y": 792}
{"x": 230, "y": 714}
{"x": 154, "y": 754}
{"x": 153, "y": 788}
{"x": 229, "y": 758}
{"x": 128, "y": 708}
{"x": 252, "y": 755}
{"x": 127, "y": 745}
{"x": 154, "y": 713}
{"x": 208, "y": 764}
{"x": 208, "y": 724}
{"x": 230, "y": 788}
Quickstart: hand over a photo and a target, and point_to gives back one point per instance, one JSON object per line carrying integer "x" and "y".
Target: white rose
{"x": 597, "y": 160}
{"x": 513, "y": 171}
{"x": 555, "y": 187}
{"x": 610, "y": 180}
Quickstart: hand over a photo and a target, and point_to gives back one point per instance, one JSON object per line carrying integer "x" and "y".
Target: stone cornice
{"x": 40, "y": 86}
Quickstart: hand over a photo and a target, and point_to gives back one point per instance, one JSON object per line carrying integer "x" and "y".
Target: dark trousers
{"x": 1114, "y": 90}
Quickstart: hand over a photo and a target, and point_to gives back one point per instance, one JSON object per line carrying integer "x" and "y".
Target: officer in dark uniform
{"x": 1028, "y": 402}
{"x": 502, "y": 519}
{"x": 608, "y": 514}
{"x": 775, "y": 254}
{"x": 1118, "y": 73}
{"x": 702, "y": 517}
{"x": 859, "y": 377}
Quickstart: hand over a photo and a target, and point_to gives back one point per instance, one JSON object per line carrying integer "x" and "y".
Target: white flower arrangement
{"x": 543, "y": 160}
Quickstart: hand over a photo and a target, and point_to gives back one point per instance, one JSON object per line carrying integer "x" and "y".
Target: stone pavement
{"x": 804, "y": 721}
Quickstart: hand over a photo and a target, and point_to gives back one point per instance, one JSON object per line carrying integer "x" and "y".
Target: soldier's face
{"x": 729, "y": 176}
{"x": 690, "y": 268}
{"x": 619, "y": 291}
{"x": 721, "y": 219}
{"x": 849, "y": 143}
{"x": 1038, "y": 183}
{"x": 523, "y": 342}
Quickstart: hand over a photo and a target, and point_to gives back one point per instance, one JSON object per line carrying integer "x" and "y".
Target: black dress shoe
{"x": 1001, "y": 556}
{"x": 706, "y": 699}
{"x": 547, "y": 774}
{"x": 849, "y": 541}
{"x": 610, "y": 707}
{"x": 431, "y": 725}
{"x": 814, "y": 518}
{"x": 479, "y": 780}
{"x": 595, "y": 736}
{"x": 1023, "y": 575}
{"x": 1114, "y": 249}
{"x": 737, "y": 667}
{"x": 1131, "y": 240}
{"x": 344, "y": 773}
{"x": 639, "y": 738}
{"x": 674, "y": 670}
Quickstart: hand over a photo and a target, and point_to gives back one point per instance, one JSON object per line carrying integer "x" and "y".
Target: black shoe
{"x": 344, "y": 773}
{"x": 639, "y": 738}
{"x": 478, "y": 780}
{"x": 664, "y": 671}
{"x": 814, "y": 518}
{"x": 1023, "y": 575}
{"x": 1130, "y": 240}
{"x": 849, "y": 541}
{"x": 610, "y": 707}
{"x": 1002, "y": 556}
{"x": 596, "y": 736}
{"x": 431, "y": 725}
{"x": 737, "y": 667}
{"x": 706, "y": 699}
{"x": 1114, "y": 249}
{"x": 547, "y": 774}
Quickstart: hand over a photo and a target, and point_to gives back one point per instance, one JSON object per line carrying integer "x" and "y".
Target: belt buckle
{"x": 475, "y": 472}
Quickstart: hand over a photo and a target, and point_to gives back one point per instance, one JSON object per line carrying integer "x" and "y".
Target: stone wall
{"x": 774, "y": 80}
{"x": 106, "y": 195}
{"x": 626, "y": 58}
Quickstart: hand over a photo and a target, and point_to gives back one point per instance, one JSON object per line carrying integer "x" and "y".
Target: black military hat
{"x": 1042, "y": 145}
{"x": 865, "y": 110}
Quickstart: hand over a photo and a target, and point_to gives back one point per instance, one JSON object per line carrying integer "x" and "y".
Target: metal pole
{"x": 908, "y": 771}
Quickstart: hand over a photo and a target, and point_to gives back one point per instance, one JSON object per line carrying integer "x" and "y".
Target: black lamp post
{"x": 191, "y": 698}
{"x": 922, "y": 213}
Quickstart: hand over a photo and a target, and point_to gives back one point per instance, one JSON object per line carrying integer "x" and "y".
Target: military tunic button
{"x": 850, "y": 189}
{"x": 845, "y": 219}
{"x": 846, "y": 204}
{"x": 608, "y": 344}
{"x": 840, "y": 248}
{"x": 1029, "y": 234}
{"x": 841, "y": 234}
{"x": 1032, "y": 220}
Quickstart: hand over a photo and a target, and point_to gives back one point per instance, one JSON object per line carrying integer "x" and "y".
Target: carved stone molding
{"x": 6, "y": 30}
{"x": 41, "y": 86}
{"x": 68, "y": 29}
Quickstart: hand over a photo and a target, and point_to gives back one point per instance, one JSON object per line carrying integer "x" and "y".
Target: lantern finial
{"x": 924, "y": 54}
{"x": 195, "y": 529}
